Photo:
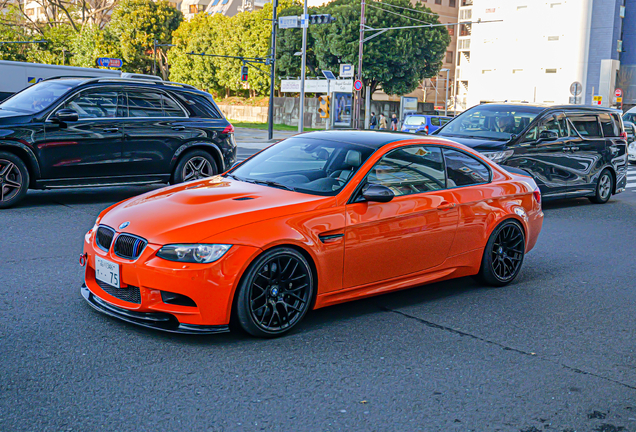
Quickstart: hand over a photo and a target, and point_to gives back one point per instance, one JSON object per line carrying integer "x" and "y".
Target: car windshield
{"x": 37, "y": 97}
{"x": 314, "y": 166}
{"x": 415, "y": 120}
{"x": 629, "y": 117}
{"x": 493, "y": 122}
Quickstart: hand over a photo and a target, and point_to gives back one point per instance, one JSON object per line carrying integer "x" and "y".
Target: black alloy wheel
{"x": 194, "y": 165}
{"x": 14, "y": 179}
{"x": 503, "y": 255}
{"x": 603, "y": 187}
{"x": 275, "y": 293}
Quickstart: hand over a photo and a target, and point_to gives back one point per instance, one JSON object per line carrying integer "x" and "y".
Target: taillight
{"x": 537, "y": 196}
{"x": 228, "y": 129}
{"x": 426, "y": 130}
{"x": 624, "y": 135}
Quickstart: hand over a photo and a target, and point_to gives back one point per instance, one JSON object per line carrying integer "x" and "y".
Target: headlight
{"x": 193, "y": 253}
{"x": 632, "y": 146}
{"x": 498, "y": 156}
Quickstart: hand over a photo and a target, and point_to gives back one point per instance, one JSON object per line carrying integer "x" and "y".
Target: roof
{"x": 372, "y": 139}
{"x": 542, "y": 107}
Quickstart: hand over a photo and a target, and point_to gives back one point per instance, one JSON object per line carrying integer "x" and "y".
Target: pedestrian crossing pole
{"x": 358, "y": 94}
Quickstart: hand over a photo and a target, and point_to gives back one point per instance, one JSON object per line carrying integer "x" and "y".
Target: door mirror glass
{"x": 377, "y": 193}
{"x": 65, "y": 116}
{"x": 548, "y": 135}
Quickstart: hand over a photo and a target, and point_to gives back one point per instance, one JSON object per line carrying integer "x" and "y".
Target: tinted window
{"x": 410, "y": 170}
{"x": 151, "y": 104}
{"x": 171, "y": 108}
{"x": 558, "y": 125}
{"x": 491, "y": 121}
{"x": 37, "y": 97}
{"x": 464, "y": 170}
{"x": 610, "y": 129}
{"x": 435, "y": 121}
{"x": 93, "y": 104}
{"x": 197, "y": 104}
{"x": 586, "y": 125}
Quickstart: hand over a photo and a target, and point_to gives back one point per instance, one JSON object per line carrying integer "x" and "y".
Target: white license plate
{"x": 107, "y": 271}
{"x": 413, "y": 130}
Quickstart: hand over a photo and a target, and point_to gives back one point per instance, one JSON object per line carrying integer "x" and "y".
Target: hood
{"x": 9, "y": 117}
{"x": 192, "y": 212}
{"x": 479, "y": 144}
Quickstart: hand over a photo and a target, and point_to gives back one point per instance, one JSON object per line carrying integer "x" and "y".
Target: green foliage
{"x": 134, "y": 25}
{"x": 11, "y": 30}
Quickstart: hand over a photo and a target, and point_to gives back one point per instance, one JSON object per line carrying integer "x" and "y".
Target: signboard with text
{"x": 317, "y": 86}
{"x": 109, "y": 62}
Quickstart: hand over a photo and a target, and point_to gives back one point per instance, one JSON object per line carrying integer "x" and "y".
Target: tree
{"x": 135, "y": 24}
{"x": 396, "y": 61}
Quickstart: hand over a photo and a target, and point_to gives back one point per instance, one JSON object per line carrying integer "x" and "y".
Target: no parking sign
{"x": 357, "y": 85}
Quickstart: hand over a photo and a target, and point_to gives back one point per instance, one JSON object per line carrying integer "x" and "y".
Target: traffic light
{"x": 321, "y": 19}
{"x": 243, "y": 73}
{"x": 323, "y": 109}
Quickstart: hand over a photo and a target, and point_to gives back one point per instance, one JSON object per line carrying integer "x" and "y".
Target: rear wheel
{"x": 194, "y": 165}
{"x": 603, "y": 187}
{"x": 503, "y": 255}
{"x": 275, "y": 293}
{"x": 14, "y": 179}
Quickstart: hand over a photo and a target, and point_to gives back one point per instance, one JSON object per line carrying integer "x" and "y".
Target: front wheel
{"x": 275, "y": 293}
{"x": 14, "y": 179}
{"x": 503, "y": 255}
{"x": 603, "y": 187}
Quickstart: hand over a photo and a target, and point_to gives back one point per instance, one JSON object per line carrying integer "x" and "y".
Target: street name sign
{"x": 317, "y": 86}
{"x": 286, "y": 22}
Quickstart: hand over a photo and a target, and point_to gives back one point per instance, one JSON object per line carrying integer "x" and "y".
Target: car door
{"x": 586, "y": 152}
{"x": 90, "y": 146}
{"x": 411, "y": 233}
{"x": 156, "y": 127}
{"x": 543, "y": 152}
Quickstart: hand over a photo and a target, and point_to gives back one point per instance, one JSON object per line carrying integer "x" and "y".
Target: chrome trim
{"x": 45, "y": 186}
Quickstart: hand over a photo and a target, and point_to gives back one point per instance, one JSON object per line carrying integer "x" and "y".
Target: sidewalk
{"x": 257, "y": 138}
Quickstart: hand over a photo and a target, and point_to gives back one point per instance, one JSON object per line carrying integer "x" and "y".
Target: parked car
{"x": 570, "y": 151}
{"x": 423, "y": 124}
{"x": 80, "y": 132}
{"x": 265, "y": 242}
{"x": 630, "y": 115}
{"x": 630, "y": 129}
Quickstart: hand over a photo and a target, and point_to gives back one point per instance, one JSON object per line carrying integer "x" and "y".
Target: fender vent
{"x": 243, "y": 198}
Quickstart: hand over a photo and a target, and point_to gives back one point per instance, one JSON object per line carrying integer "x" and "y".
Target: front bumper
{"x": 154, "y": 320}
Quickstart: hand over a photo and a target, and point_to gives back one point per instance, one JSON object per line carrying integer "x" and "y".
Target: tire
{"x": 503, "y": 255}
{"x": 14, "y": 179}
{"x": 194, "y": 165}
{"x": 604, "y": 187}
{"x": 275, "y": 293}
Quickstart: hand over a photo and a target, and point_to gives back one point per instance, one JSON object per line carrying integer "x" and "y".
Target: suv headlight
{"x": 498, "y": 156}
{"x": 193, "y": 253}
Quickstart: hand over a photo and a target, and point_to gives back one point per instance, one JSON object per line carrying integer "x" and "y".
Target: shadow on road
{"x": 69, "y": 197}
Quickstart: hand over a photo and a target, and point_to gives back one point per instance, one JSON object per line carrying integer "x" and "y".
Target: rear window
{"x": 198, "y": 105}
{"x": 586, "y": 125}
{"x": 610, "y": 129}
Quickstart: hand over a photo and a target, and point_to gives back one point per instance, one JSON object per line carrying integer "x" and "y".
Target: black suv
{"x": 74, "y": 132}
{"x": 570, "y": 150}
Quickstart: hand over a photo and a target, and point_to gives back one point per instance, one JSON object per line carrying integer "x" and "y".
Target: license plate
{"x": 107, "y": 271}
{"x": 413, "y": 130}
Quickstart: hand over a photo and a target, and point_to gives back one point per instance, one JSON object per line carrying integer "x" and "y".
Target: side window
{"x": 586, "y": 125}
{"x": 608, "y": 124}
{"x": 171, "y": 108}
{"x": 145, "y": 104}
{"x": 464, "y": 170}
{"x": 548, "y": 124}
{"x": 94, "y": 104}
{"x": 410, "y": 170}
{"x": 435, "y": 121}
{"x": 563, "y": 126}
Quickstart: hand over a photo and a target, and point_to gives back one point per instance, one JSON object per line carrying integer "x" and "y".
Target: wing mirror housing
{"x": 65, "y": 116}
{"x": 377, "y": 193}
{"x": 548, "y": 135}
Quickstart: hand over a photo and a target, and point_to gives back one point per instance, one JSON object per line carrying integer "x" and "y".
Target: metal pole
{"x": 446, "y": 99}
{"x": 435, "y": 106}
{"x": 272, "y": 76}
{"x": 358, "y": 94}
{"x": 367, "y": 107}
{"x": 302, "y": 73}
{"x": 154, "y": 53}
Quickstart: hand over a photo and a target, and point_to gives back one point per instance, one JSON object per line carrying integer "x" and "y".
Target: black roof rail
{"x": 139, "y": 80}
{"x": 67, "y": 76}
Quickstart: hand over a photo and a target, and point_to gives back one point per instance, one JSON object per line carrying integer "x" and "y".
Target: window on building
{"x": 201, "y": 8}
{"x": 451, "y": 30}
{"x": 452, "y": 3}
{"x": 410, "y": 170}
{"x": 516, "y": 71}
{"x": 465, "y": 14}
{"x": 30, "y": 11}
{"x": 438, "y": 2}
{"x": 449, "y": 56}
{"x": 486, "y": 71}
{"x": 464, "y": 170}
{"x": 552, "y": 5}
{"x": 522, "y": 7}
{"x": 550, "y": 71}
{"x": 174, "y": 5}
{"x": 553, "y": 38}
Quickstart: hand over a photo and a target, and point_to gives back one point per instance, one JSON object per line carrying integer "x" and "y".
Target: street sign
{"x": 597, "y": 100}
{"x": 575, "y": 100}
{"x": 618, "y": 93}
{"x": 576, "y": 88}
{"x": 288, "y": 22}
{"x": 346, "y": 71}
{"x": 317, "y": 86}
{"x": 619, "y": 99}
{"x": 329, "y": 75}
{"x": 357, "y": 85}
{"x": 304, "y": 21}
{"x": 343, "y": 86}
{"x": 109, "y": 62}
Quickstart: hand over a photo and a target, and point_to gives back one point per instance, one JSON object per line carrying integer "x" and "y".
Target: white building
{"x": 537, "y": 50}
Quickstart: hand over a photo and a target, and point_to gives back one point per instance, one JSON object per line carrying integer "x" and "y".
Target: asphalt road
{"x": 552, "y": 352}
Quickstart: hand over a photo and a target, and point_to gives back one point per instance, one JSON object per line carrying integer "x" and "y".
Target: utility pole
{"x": 305, "y": 21}
{"x": 358, "y": 94}
{"x": 154, "y": 54}
{"x": 446, "y": 99}
{"x": 272, "y": 76}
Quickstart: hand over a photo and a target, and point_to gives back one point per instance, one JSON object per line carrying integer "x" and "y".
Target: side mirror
{"x": 548, "y": 135}
{"x": 65, "y": 116}
{"x": 377, "y": 193}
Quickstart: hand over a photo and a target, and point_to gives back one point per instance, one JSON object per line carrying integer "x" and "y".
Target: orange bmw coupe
{"x": 318, "y": 219}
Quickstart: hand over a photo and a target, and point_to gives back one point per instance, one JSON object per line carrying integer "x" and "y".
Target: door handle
{"x": 445, "y": 205}
{"x": 111, "y": 129}
{"x": 567, "y": 149}
{"x": 178, "y": 128}
{"x": 574, "y": 148}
